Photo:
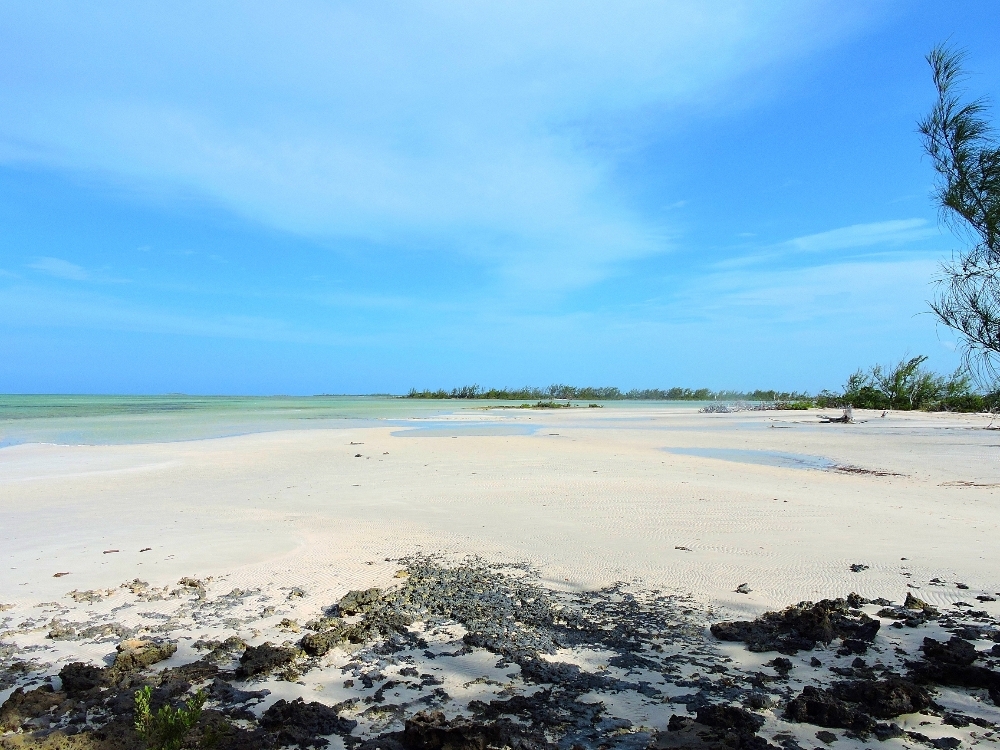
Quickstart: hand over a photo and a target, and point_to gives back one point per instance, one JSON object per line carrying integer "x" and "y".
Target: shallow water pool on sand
{"x": 759, "y": 458}
{"x": 482, "y": 429}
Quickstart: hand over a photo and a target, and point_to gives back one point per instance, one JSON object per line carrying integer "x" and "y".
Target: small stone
{"x": 743, "y": 588}
{"x": 826, "y": 737}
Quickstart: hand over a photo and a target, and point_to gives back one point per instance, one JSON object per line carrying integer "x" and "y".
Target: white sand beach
{"x": 590, "y": 497}
{"x": 661, "y": 498}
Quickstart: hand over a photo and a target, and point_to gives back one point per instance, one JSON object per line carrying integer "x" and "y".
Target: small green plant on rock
{"x": 167, "y": 728}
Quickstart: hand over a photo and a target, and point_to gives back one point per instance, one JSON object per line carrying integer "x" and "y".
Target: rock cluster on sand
{"x": 569, "y": 671}
{"x": 801, "y": 627}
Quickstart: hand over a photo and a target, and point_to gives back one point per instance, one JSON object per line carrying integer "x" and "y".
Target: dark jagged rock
{"x": 567, "y": 676}
{"x": 356, "y": 602}
{"x": 214, "y": 731}
{"x": 223, "y": 692}
{"x": 955, "y": 651}
{"x": 430, "y": 730}
{"x": 913, "y": 602}
{"x": 853, "y": 646}
{"x": 714, "y": 728}
{"x": 23, "y": 706}
{"x": 79, "y": 678}
{"x": 114, "y": 735}
{"x": 856, "y": 704}
{"x": 941, "y": 743}
{"x": 856, "y": 601}
{"x": 781, "y": 665}
{"x": 951, "y": 663}
{"x": 379, "y": 623}
{"x": 194, "y": 671}
{"x": 546, "y": 709}
{"x": 883, "y": 699}
{"x": 301, "y": 723}
{"x": 800, "y": 627}
{"x": 317, "y": 644}
{"x": 822, "y": 708}
{"x": 730, "y": 717}
{"x": 264, "y": 659}
{"x": 138, "y": 653}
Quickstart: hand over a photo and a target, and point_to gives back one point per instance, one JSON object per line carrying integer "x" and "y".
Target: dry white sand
{"x": 590, "y": 497}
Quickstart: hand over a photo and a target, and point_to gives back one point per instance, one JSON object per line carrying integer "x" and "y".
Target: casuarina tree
{"x": 962, "y": 145}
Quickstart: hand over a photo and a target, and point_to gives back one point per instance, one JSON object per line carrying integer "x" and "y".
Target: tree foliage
{"x": 906, "y": 386}
{"x": 604, "y": 393}
{"x": 961, "y": 143}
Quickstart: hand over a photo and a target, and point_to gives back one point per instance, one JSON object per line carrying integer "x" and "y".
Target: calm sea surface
{"x": 109, "y": 420}
{"x": 101, "y": 420}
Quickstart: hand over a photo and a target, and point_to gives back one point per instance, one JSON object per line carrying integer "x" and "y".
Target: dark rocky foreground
{"x": 615, "y": 668}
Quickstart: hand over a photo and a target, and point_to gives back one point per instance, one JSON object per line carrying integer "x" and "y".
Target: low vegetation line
{"x": 903, "y": 386}
{"x": 607, "y": 393}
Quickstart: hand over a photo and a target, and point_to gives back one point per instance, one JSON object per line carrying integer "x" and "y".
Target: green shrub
{"x": 796, "y": 405}
{"x": 904, "y": 386}
{"x": 167, "y": 728}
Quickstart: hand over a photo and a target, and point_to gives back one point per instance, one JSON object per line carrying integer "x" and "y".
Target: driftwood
{"x": 846, "y": 418}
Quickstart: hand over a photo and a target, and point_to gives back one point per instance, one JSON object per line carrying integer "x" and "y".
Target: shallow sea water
{"x": 110, "y": 420}
{"x": 759, "y": 458}
{"x": 477, "y": 429}
{"x": 115, "y": 420}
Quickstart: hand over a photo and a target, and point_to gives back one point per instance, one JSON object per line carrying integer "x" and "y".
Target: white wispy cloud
{"x": 60, "y": 269}
{"x": 895, "y": 232}
{"x": 438, "y": 125}
{"x": 882, "y": 236}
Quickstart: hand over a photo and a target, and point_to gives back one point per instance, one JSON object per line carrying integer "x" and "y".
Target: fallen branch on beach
{"x": 846, "y": 418}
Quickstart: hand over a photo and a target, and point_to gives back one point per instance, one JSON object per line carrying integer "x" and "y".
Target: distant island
{"x": 904, "y": 385}
{"x": 607, "y": 393}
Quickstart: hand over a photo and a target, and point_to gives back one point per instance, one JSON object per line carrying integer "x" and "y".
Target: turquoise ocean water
{"x": 111, "y": 420}
{"x": 103, "y": 420}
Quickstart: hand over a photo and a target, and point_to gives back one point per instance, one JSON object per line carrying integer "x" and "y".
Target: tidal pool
{"x": 481, "y": 429}
{"x": 759, "y": 458}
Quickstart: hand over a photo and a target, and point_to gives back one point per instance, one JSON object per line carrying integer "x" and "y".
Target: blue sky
{"x": 364, "y": 197}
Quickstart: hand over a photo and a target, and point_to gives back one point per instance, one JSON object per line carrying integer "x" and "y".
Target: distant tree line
{"x": 606, "y": 393}
{"x": 904, "y": 386}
